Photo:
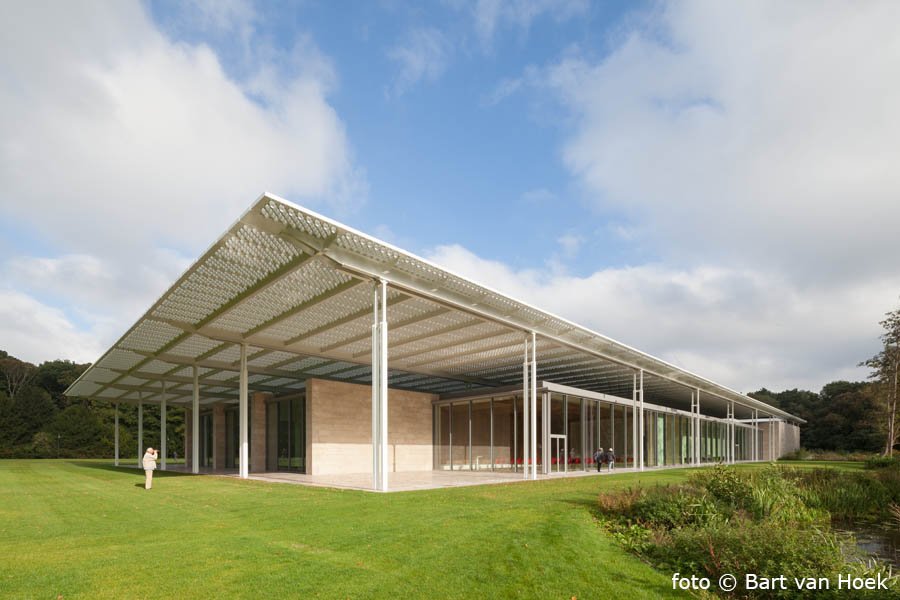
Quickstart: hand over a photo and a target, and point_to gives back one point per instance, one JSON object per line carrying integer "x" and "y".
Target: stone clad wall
{"x": 339, "y": 425}
{"x": 790, "y": 438}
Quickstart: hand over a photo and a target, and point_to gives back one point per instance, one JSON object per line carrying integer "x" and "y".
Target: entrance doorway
{"x": 559, "y": 458}
{"x": 286, "y": 435}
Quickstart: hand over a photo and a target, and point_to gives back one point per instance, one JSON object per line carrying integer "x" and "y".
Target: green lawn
{"x": 86, "y": 529}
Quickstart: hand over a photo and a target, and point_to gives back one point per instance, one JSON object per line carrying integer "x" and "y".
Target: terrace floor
{"x": 401, "y": 481}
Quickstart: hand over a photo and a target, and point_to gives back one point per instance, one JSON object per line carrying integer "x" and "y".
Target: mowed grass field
{"x": 85, "y": 529}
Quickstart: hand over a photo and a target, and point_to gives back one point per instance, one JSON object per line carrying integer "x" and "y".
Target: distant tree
{"x": 885, "y": 368}
{"x": 9, "y": 422}
{"x": 840, "y": 417}
{"x": 16, "y": 374}
{"x": 44, "y": 445}
{"x": 32, "y": 410}
{"x": 78, "y": 431}
{"x": 56, "y": 376}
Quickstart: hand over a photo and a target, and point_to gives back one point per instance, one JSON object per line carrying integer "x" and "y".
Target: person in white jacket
{"x": 149, "y": 461}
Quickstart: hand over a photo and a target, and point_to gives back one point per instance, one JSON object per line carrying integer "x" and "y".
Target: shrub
{"x": 798, "y": 454}
{"x": 881, "y": 462}
{"x": 846, "y": 496}
{"x": 725, "y": 486}
{"x": 672, "y": 507}
{"x": 771, "y": 522}
{"x": 744, "y": 546}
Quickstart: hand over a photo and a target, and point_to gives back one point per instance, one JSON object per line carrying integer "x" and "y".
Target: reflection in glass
{"x": 504, "y": 428}
{"x": 481, "y": 435}
{"x": 459, "y": 427}
{"x": 573, "y": 432}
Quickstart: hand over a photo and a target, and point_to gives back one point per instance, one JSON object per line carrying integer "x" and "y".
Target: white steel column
{"x": 140, "y": 439}
{"x": 526, "y": 456}
{"x": 699, "y": 440}
{"x": 116, "y": 435}
{"x": 376, "y": 472}
{"x": 634, "y": 422}
{"x": 755, "y": 434}
{"x": 693, "y": 428}
{"x": 733, "y": 427}
{"x": 383, "y": 387}
{"x": 641, "y": 426}
{"x": 244, "y": 416}
{"x": 533, "y": 392}
{"x": 195, "y": 424}
{"x": 162, "y": 428}
{"x": 380, "y": 446}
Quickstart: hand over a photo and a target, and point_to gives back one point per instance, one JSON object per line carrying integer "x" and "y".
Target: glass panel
{"x": 298, "y": 434}
{"x": 573, "y": 432}
{"x": 481, "y": 435}
{"x": 650, "y": 438}
{"x": 442, "y": 437}
{"x": 605, "y": 417}
{"x": 272, "y": 436}
{"x": 557, "y": 414}
{"x": 670, "y": 439}
{"x": 284, "y": 436}
{"x": 231, "y": 439}
{"x": 504, "y": 427}
{"x": 519, "y": 434}
{"x": 591, "y": 444}
{"x": 620, "y": 429}
{"x": 459, "y": 425}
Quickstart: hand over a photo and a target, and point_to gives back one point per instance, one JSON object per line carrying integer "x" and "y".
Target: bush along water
{"x": 767, "y": 522}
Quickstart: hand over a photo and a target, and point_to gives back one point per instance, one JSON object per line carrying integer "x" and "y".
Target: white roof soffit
{"x": 297, "y": 288}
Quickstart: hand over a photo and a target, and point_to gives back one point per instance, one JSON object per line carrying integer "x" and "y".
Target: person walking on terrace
{"x": 598, "y": 458}
{"x": 149, "y": 461}
{"x": 611, "y": 459}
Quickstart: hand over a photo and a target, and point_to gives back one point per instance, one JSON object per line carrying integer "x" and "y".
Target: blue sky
{"x": 713, "y": 183}
{"x": 446, "y": 162}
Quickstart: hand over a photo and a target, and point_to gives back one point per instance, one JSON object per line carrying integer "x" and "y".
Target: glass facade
{"x": 485, "y": 434}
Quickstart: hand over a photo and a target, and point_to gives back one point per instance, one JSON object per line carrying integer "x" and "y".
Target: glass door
{"x": 286, "y": 435}
{"x": 559, "y": 457}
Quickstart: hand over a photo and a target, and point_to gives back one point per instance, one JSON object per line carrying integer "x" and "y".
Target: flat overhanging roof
{"x": 297, "y": 288}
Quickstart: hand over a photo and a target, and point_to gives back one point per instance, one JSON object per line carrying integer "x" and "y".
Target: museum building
{"x": 296, "y": 344}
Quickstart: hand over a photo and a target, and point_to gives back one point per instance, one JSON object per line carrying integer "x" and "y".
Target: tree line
{"x": 37, "y": 420}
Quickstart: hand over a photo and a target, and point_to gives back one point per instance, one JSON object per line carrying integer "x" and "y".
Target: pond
{"x": 878, "y": 542}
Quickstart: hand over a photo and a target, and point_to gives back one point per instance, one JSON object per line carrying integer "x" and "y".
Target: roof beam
{"x": 354, "y": 316}
{"x": 338, "y": 289}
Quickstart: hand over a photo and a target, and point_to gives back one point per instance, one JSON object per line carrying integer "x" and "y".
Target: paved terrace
{"x": 403, "y": 481}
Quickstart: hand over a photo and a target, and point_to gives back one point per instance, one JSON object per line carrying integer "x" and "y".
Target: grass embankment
{"x": 86, "y": 529}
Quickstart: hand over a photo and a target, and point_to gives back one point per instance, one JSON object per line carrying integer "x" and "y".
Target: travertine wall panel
{"x": 339, "y": 417}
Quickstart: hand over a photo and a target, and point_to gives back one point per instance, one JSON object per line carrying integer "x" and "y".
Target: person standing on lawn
{"x": 598, "y": 458}
{"x": 149, "y": 461}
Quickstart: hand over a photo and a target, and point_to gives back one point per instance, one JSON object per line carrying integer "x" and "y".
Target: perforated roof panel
{"x": 297, "y": 288}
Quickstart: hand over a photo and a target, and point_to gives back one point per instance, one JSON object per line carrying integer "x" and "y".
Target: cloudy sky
{"x": 715, "y": 183}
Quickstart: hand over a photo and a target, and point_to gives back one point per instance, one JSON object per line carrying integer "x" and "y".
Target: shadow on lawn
{"x": 127, "y": 470}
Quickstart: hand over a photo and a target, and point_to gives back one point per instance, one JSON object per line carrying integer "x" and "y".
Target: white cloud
{"x": 743, "y": 328}
{"x": 762, "y": 133}
{"x": 129, "y": 152}
{"x": 423, "y": 56}
{"x": 570, "y": 243}
{"x": 753, "y": 147}
{"x": 490, "y": 15}
{"x": 112, "y": 132}
{"x": 35, "y": 332}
